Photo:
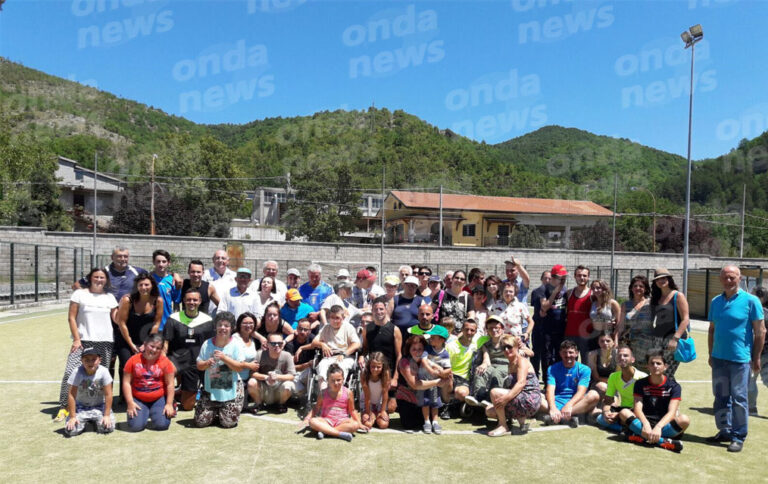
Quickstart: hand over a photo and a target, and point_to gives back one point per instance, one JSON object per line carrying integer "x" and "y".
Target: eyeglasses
{"x": 275, "y": 344}
{"x": 508, "y": 347}
{"x": 459, "y": 279}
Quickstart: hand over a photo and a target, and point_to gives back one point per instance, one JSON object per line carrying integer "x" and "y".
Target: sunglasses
{"x": 425, "y": 273}
{"x": 275, "y": 344}
{"x": 459, "y": 279}
{"x": 508, "y": 347}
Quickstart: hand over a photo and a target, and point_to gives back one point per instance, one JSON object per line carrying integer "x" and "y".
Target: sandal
{"x": 498, "y": 432}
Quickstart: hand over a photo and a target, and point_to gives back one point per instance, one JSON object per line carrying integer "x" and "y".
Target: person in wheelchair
{"x": 338, "y": 342}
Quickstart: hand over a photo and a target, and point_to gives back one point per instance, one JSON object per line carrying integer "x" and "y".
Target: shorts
{"x": 429, "y": 398}
{"x": 189, "y": 378}
{"x": 459, "y": 381}
{"x": 270, "y": 394}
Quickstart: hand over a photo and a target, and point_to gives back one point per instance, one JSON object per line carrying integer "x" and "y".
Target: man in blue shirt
{"x": 736, "y": 337}
{"x": 121, "y": 274}
{"x": 294, "y": 309}
{"x": 168, "y": 284}
{"x": 567, "y": 383}
{"x": 516, "y": 273}
{"x": 314, "y": 291}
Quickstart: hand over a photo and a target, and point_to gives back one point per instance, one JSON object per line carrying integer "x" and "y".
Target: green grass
{"x": 261, "y": 450}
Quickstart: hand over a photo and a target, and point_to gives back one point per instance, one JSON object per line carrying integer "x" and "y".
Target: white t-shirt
{"x": 222, "y": 284}
{"x": 90, "y": 388}
{"x": 93, "y": 320}
{"x": 338, "y": 340}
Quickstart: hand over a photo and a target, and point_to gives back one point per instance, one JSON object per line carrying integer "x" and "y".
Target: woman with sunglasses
{"x": 520, "y": 395}
{"x": 669, "y": 308}
{"x": 635, "y": 328}
{"x": 424, "y": 289}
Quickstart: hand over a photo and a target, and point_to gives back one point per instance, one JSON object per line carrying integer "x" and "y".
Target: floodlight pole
{"x": 692, "y": 44}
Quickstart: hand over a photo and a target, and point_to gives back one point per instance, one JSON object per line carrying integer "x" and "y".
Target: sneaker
{"x": 753, "y": 412}
{"x": 436, "y": 428}
{"x": 719, "y": 437}
{"x": 427, "y": 428}
{"x": 636, "y": 439}
{"x": 470, "y": 400}
{"x": 445, "y": 412}
{"x": 281, "y": 409}
{"x": 346, "y": 436}
{"x": 62, "y": 415}
{"x": 574, "y": 422}
{"x": 673, "y": 445}
{"x": 486, "y": 404}
{"x": 525, "y": 428}
{"x": 547, "y": 419}
{"x": 320, "y": 436}
{"x": 735, "y": 446}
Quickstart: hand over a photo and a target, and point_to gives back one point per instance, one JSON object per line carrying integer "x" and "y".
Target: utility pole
{"x": 96, "y": 205}
{"x": 441, "y": 216}
{"x": 613, "y": 238}
{"x": 152, "y": 197}
{"x": 743, "y": 212}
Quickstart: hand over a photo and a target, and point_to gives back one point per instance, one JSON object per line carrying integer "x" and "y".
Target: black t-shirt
{"x": 656, "y": 398}
{"x": 184, "y": 342}
{"x": 554, "y": 321}
{"x": 382, "y": 338}
{"x": 305, "y": 356}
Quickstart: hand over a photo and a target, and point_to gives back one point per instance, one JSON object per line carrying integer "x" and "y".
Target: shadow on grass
{"x": 704, "y": 410}
{"x": 187, "y": 423}
{"x": 50, "y": 408}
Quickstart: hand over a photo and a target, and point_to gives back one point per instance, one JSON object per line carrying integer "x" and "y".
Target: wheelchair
{"x": 352, "y": 381}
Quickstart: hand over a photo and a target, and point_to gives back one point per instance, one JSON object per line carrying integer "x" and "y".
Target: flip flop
{"x": 499, "y": 432}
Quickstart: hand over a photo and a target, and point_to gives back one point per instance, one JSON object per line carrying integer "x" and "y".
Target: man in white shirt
{"x": 239, "y": 298}
{"x": 220, "y": 276}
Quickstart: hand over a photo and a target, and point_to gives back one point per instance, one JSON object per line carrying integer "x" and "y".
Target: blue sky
{"x": 491, "y": 70}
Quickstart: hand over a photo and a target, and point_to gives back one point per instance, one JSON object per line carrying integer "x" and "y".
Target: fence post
{"x": 706, "y": 294}
{"x": 74, "y": 266}
{"x": 13, "y": 269}
{"x": 57, "y": 273}
{"x": 37, "y": 273}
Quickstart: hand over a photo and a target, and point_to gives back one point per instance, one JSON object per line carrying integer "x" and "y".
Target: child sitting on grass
{"x": 375, "y": 381}
{"x": 90, "y": 396}
{"x": 334, "y": 414}
{"x": 654, "y": 419}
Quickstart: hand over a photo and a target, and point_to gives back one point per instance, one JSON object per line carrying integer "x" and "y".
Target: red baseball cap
{"x": 365, "y": 274}
{"x": 558, "y": 270}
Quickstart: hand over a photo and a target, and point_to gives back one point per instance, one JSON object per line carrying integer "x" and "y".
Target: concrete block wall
{"x": 298, "y": 254}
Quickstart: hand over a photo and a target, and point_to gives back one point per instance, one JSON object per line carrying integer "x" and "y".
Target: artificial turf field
{"x": 267, "y": 449}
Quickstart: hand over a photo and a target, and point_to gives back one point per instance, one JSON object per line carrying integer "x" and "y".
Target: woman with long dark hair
{"x": 668, "y": 307}
{"x": 138, "y": 315}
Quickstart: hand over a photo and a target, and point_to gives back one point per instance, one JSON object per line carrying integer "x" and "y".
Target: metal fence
{"x": 33, "y": 272}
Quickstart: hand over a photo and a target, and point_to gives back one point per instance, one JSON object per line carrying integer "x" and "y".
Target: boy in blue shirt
{"x": 567, "y": 383}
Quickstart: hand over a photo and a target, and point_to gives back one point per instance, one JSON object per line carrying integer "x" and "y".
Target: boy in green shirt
{"x": 621, "y": 382}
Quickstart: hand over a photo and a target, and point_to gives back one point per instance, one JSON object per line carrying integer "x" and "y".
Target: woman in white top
{"x": 267, "y": 294}
{"x": 605, "y": 310}
{"x": 514, "y": 314}
{"x": 244, "y": 334}
{"x": 91, "y": 311}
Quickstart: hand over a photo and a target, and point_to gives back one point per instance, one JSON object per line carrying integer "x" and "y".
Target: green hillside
{"x": 52, "y": 116}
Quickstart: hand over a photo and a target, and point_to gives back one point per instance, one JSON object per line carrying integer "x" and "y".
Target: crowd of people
{"x": 424, "y": 346}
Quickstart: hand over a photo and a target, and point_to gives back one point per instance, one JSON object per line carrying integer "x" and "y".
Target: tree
{"x": 324, "y": 205}
{"x": 597, "y": 237}
{"x": 526, "y": 236}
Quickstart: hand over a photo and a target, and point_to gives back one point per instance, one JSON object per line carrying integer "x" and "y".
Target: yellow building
{"x": 480, "y": 221}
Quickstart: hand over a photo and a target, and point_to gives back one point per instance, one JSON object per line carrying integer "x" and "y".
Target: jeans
{"x": 154, "y": 411}
{"x": 753, "y": 380}
{"x": 729, "y": 385}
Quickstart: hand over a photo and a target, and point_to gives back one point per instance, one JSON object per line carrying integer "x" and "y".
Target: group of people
{"x": 427, "y": 347}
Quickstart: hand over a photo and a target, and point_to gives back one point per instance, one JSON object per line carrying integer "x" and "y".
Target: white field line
{"x": 3, "y": 321}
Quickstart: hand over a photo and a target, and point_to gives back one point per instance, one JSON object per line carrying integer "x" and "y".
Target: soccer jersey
{"x": 656, "y": 398}
{"x": 625, "y": 389}
{"x": 567, "y": 380}
{"x": 461, "y": 356}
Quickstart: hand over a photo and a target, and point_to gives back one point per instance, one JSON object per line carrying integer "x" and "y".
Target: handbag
{"x": 686, "y": 348}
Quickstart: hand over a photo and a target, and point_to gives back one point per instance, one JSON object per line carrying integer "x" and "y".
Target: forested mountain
{"x": 42, "y": 116}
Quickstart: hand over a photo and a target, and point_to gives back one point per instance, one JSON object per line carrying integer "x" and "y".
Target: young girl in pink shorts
{"x": 335, "y": 409}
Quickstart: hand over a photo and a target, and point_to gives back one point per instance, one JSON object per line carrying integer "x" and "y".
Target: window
{"x": 468, "y": 230}
{"x": 78, "y": 175}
